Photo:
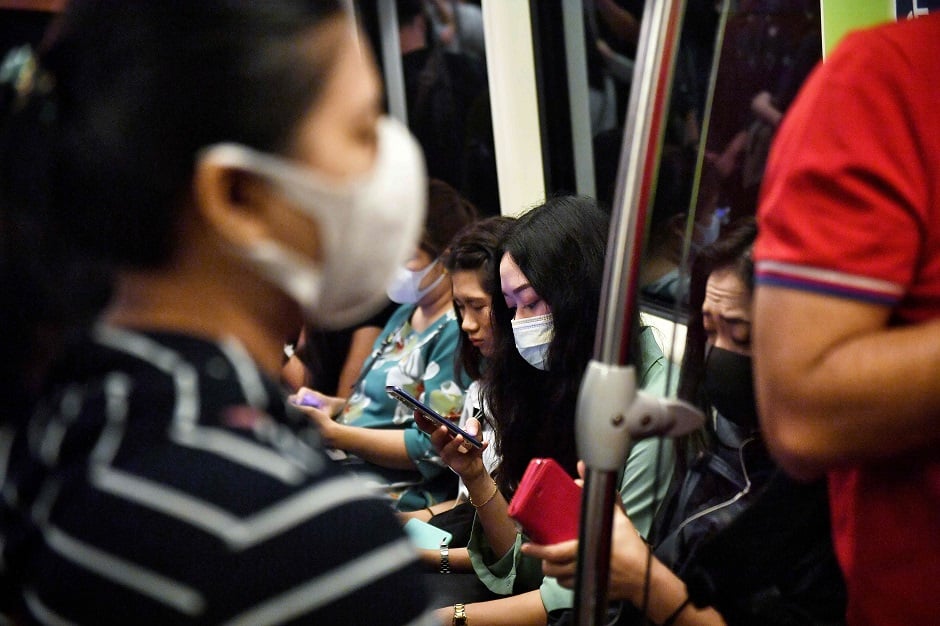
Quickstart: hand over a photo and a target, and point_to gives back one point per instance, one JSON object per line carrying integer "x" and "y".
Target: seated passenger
{"x": 472, "y": 262}
{"x": 161, "y": 479}
{"x": 551, "y": 270}
{"x": 749, "y": 545}
{"x": 416, "y": 350}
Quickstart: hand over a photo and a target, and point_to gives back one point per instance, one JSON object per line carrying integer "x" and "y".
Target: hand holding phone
{"x": 547, "y": 503}
{"x": 308, "y": 399}
{"x": 416, "y": 405}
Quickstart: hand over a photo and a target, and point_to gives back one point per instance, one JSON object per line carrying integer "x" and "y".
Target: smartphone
{"x": 413, "y": 403}
{"x": 547, "y": 503}
{"x": 425, "y": 535}
{"x": 308, "y": 399}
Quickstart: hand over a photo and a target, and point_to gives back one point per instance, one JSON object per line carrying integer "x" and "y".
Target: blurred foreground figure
{"x": 229, "y": 161}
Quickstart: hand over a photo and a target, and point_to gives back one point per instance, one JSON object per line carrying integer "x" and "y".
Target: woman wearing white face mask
{"x": 416, "y": 350}
{"x": 551, "y": 269}
{"x": 224, "y": 158}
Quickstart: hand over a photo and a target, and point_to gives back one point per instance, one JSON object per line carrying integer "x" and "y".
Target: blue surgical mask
{"x": 705, "y": 235}
{"x": 533, "y": 336}
{"x": 404, "y": 287}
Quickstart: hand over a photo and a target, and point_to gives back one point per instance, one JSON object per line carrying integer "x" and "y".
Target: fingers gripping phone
{"x": 547, "y": 503}
{"x": 416, "y": 405}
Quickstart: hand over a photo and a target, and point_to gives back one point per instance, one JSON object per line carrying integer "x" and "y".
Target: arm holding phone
{"x": 382, "y": 447}
{"x": 490, "y": 505}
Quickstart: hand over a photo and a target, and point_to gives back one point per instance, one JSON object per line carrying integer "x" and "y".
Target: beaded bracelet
{"x": 487, "y": 501}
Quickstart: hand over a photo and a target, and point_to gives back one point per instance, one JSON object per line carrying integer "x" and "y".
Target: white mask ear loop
{"x": 435, "y": 283}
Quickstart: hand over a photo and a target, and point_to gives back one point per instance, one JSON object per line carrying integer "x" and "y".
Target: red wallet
{"x": 547, "y": 503}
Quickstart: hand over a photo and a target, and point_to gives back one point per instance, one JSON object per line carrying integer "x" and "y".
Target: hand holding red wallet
{"x": 547, "y": 503}
{"x": 628, "y": 556}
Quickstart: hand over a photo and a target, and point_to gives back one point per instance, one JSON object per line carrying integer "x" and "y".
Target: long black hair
{"x": 560, "y": 248}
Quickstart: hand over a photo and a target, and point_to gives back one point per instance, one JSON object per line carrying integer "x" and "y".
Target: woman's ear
{"x": 231, "y": 202}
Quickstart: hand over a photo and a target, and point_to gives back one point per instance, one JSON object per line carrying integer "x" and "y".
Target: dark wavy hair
{"x": 560, "y": 247}
{"x": 476, "y": 248}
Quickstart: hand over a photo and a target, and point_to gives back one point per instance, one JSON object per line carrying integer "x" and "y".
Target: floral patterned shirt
{"x": 423, "y": 364}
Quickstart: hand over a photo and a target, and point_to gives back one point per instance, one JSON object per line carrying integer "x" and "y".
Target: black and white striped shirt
{"x": 165, "y": 483}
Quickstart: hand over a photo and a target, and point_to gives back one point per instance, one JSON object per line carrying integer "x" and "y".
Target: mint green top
{"x": 513, "y": 572}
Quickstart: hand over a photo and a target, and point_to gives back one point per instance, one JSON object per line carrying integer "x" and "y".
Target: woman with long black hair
{"x": 550, "y": 274}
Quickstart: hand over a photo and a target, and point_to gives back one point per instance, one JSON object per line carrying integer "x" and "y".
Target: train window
{"x": 434, "y": 62}
{"x": 584, "y": 93}
{"x": 765, "y": 51}
{"x": 738, "y": 65}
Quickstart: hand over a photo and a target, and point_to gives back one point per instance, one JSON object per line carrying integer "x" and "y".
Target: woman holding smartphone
{"x": 550, "y": 274}
{"x": 416, "y": 351}
{"x": 472, "y": 262}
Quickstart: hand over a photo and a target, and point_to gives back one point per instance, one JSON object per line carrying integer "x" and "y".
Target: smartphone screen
{"x": 413, "y": 403}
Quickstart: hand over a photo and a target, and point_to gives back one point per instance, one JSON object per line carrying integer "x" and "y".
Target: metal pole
{"x": 602, "y": 441}
{"x": 391, "y": 61}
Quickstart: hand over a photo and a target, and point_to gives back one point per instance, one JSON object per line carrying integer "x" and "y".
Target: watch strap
{"x": 460, "y": 615}
{"x": 445, "y": 558}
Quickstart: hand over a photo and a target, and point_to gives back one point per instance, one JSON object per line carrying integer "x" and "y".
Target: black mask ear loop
{"x": 712, "y": 411}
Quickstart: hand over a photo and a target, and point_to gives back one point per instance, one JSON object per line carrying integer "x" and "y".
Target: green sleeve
{"x": 508, "y": 574}
{"x": 639, "y": 473}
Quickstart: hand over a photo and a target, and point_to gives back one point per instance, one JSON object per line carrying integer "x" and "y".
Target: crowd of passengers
{"x": 171, "y": 451}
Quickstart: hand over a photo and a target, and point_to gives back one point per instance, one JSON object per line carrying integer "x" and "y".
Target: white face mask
{"x": 533, "y": 335}
{"x": 368, "y": 226}
{"x": 705, "y": 235}
{"x": 405, "y": 285}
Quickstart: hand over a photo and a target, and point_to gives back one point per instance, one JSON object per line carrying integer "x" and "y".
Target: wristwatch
{"x": 445, "y": 558}
{"x": 460, "y": 615}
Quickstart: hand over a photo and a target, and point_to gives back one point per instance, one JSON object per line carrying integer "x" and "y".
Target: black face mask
{"x": 729, "y": 385}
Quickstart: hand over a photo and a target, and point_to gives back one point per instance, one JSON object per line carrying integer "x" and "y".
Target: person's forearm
{"x": 525, "y": 609}
{"x": 360, "y": 347}
{"x": 868, "y": 394}
{"x": 492, "y": 512}
{"x": 385, "y": 448}
{"x": 667, "y": 600}
{"x": 458, "y": 559}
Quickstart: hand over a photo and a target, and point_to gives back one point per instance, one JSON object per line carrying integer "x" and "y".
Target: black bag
{"x": 458, "y": 521}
